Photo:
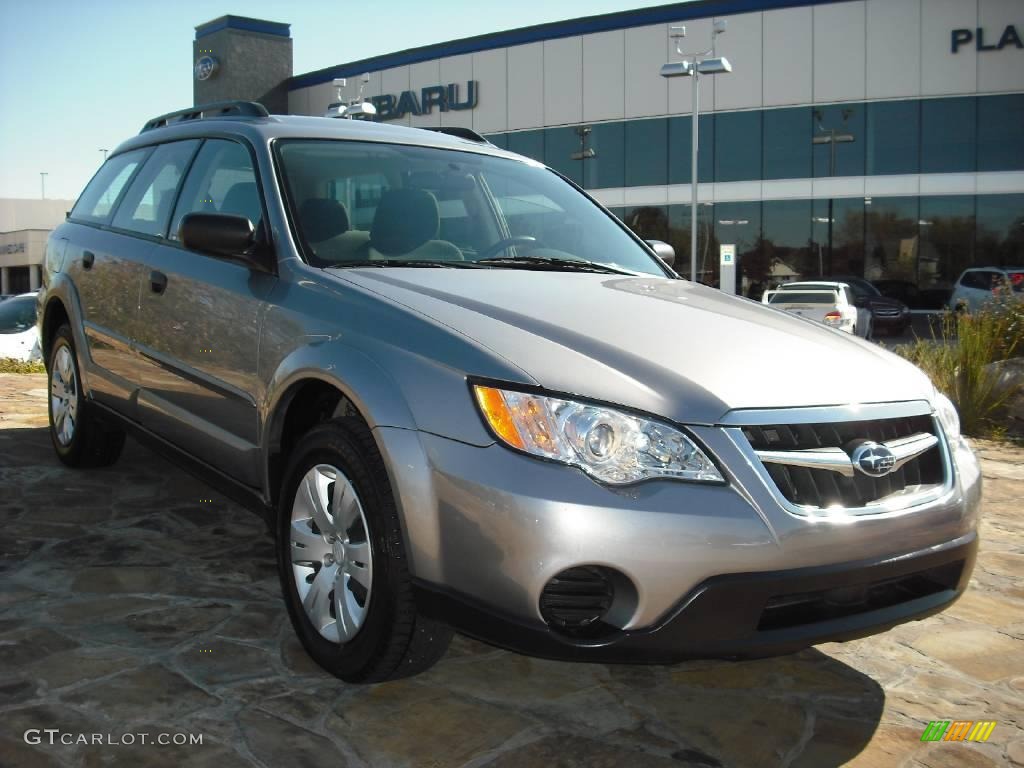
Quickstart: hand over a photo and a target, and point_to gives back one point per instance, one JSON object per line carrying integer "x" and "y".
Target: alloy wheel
{"x": 63, "y": 397}
{"x": 332, "y": 562}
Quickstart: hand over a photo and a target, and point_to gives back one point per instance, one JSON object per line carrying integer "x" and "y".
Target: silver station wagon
{"x": 466, "y": 397}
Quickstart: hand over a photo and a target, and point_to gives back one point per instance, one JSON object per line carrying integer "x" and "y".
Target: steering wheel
{"x": 508, "y": 242}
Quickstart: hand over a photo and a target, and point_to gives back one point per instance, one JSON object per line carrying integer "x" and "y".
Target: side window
{"x": 147, "y": 204}
{"x": 222, "y": 180}
{"x": 101, "y": 194}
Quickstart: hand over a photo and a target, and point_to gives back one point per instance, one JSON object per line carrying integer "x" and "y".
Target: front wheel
{"x": 78, "y": 437}
{"x": 342, "y": 561}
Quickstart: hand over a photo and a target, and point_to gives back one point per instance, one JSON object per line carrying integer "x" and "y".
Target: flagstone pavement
{"x": 137, "y": 604}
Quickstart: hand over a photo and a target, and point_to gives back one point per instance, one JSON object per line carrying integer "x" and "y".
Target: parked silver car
{"x": 465, "y": 396}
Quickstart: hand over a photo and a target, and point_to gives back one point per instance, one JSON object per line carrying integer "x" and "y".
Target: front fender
{"x": 370, "y": 388}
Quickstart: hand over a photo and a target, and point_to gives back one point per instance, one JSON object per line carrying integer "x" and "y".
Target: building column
{"x": 33, "y": 277}
{"x": 4, "y": 280}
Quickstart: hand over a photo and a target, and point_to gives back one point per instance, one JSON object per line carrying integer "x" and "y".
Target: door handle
{"x": 157, "y": 281}
{"x": 88, "y": 257}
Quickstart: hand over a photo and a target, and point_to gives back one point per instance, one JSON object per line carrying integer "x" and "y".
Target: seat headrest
{"x": 405, "y": 219}
{"x": 322, "y": 218}
{"x": 243, "y": 199}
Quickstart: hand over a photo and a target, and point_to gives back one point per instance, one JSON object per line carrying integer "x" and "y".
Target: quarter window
{"x": 98, "y": 199}
{"x": 147, "y": 204}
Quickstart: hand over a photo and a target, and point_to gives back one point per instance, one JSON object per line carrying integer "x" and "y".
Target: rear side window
{"x": 981, "y": 280}
{"x": 222, "y": 180}
{"x": 147, "y": 204}
{"x": 101, "y": 194}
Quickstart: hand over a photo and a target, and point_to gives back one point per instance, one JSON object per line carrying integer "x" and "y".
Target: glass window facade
{"x": 680, "y": 149}
{"x": 838, "y": 140}
{"x": 739, "y": 136}
{"x": 1001, "y": 133}
{"x": 948, "y": 136}
{"x": 787, "y": 143}
{"x": 607, "y": 167}
{"x": 913, "y": 247}
{"x": 893, "y": 134}
{"x": 560, "y": 147}
{"x": 646, "y": 152}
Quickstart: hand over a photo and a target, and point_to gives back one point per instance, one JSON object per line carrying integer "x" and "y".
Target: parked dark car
{"x": 913, "y": 296}
{"x": 889, "y": 316}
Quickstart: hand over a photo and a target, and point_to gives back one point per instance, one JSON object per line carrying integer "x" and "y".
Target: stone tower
{"x": 235, "y": 57}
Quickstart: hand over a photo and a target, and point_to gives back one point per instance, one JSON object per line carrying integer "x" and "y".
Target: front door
{"x": 200, "y": 322}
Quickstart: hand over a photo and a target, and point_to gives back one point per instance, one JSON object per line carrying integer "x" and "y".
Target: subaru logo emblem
{"x": 873, "y": 460}
{"x": 206, "y": 68}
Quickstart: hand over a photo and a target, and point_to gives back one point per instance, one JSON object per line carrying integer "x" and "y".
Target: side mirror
{"x": 665, "y": 251}
{"x": 218, "y": 234}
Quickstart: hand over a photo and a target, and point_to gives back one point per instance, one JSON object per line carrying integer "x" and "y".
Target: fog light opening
{"x": 587, "y": 601}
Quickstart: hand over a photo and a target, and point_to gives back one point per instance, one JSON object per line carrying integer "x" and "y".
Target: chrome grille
{"x": 804, "y": 484}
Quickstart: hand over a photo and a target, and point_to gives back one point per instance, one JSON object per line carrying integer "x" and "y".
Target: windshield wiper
{"x": 553, "y": 261}
{"x": 405, "y": 263}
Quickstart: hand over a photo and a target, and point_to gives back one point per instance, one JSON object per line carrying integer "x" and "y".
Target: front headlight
{"x": 612, "y": 446}
{"x": 948, "y": 416}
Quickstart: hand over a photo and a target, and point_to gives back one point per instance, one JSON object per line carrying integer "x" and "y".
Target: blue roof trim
{"x": 244, "y": 23}
{"x": 663, "y": 14}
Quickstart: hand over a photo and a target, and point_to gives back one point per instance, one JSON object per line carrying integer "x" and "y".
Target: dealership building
{"x": 879, "y": 138}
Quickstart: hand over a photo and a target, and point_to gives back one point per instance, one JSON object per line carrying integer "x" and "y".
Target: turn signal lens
{"x": 498, "y": 416}
{"x": 610, "y": 445}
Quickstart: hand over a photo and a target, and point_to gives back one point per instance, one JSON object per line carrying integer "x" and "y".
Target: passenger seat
{"x": 325, "y": 224}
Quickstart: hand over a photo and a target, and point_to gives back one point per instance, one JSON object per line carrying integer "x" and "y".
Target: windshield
{"x": 356, "y": 203}
{"x": 18, "y": 314}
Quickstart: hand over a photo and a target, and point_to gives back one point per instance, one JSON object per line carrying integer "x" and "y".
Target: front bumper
{"x": 487, "y": 528}
{"x": 744, "y": 615}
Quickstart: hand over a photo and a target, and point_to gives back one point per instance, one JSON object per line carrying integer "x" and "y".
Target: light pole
{"x": 42, "y": 182}
{"x": 831, "y": 136}
{"x": 693, "y": 66}
{"x": 104, "y": 151}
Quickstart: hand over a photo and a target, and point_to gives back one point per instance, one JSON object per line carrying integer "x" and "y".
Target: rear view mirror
{"x": 218, "y": 234}
{"x": 665, "y": 251}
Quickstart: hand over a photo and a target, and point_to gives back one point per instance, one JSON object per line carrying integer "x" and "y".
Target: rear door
{"x": 123, "y": 211}
{"x": 200, "y": 321}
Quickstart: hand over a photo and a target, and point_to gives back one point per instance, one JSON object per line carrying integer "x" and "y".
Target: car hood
{"x": 669, "y": 347}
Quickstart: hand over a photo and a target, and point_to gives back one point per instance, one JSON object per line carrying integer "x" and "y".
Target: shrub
{"x": 10, "y": 365}
{"x": 959, "y": 356}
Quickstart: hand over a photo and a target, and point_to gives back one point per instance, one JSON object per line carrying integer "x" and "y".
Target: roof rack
{"x": 463, "y": 133}
{"x": 202, "y": 111}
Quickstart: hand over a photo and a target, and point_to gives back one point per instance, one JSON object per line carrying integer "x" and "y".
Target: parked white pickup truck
{"x": 832, "y": 306}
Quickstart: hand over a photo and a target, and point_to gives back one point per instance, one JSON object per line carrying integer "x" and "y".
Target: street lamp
{"x": 104, "y": 151}
{"x": 693, "y": 66}
{"x": 831, "y": 136}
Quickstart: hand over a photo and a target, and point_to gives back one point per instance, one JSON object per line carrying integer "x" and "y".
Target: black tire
{"x": 394, "y": 640}
{"x": 92, "y": 443}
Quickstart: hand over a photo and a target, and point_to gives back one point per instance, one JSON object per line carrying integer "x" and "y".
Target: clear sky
{"x": 80, "y": 75}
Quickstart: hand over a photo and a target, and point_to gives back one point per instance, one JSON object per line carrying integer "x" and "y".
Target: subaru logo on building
{"x": 206, "y": 67}
{"x": 874, "y": 460}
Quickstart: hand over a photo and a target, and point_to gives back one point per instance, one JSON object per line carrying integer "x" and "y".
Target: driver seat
{"x": 405, "y": 226}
